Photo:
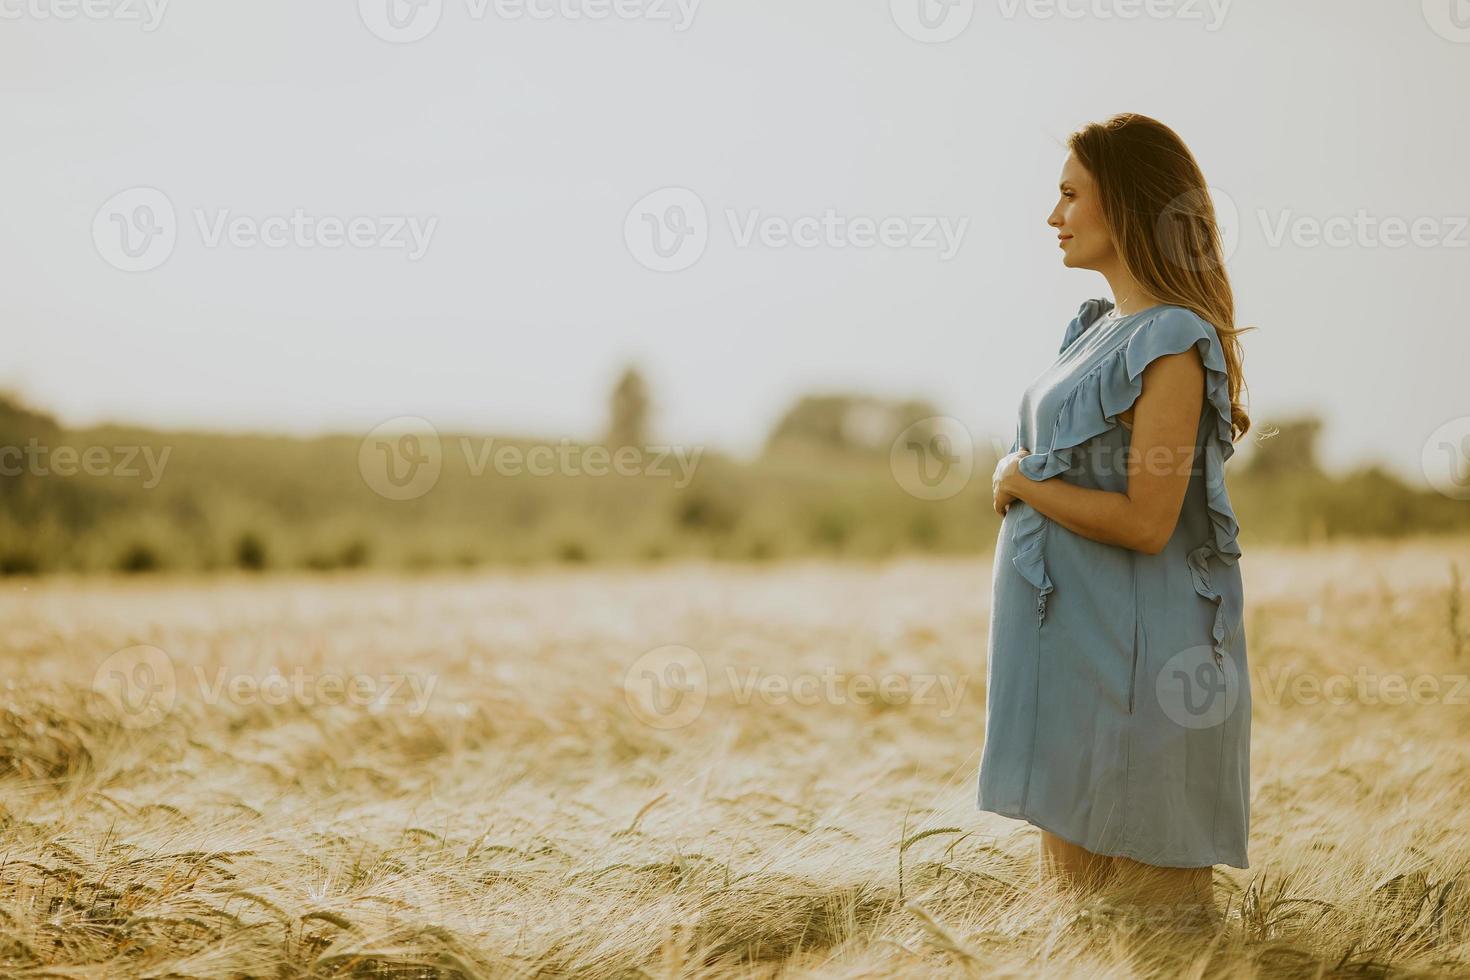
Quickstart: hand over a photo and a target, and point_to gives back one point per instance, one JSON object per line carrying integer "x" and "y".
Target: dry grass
{"x": 529, "y": 824}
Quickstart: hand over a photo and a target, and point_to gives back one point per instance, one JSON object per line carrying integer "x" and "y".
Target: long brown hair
{"x": 1158, "y": 207}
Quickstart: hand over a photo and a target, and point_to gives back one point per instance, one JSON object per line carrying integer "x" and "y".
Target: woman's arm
{"x": 1165, "y": 422}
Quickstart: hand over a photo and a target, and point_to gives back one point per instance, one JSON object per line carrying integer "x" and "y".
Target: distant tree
{"x": 628, "y": 414}
{"x": 1287, "y": 448}
{"x": 19, "y": 424}
{"x": 16, "y": 416}
{"x": 846, "y": 423}
{"x": 250, "y": 552}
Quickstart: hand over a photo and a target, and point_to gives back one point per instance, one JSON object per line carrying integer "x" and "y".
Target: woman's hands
{"x": 1004, "y": 478}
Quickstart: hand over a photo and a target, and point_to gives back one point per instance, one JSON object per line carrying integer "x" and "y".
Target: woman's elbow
{"x": 1153, "y": 536}
{"x": 1152, "y": 546}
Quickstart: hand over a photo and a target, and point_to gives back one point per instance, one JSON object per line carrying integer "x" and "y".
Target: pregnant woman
{"x": 1118, "y": 706}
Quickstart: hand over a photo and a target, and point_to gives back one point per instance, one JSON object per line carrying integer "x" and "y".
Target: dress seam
{"x": 1219, "y": 776}
{"x": 1128, "y": 723}
{"x": 1035, "y": 721}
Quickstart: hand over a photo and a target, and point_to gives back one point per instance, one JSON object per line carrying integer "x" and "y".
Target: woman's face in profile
{"x": 1078, "y": 218}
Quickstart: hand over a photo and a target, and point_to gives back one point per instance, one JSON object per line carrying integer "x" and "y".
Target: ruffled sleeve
{"x": 1086, "y": 316}
{"x": 1093, "y": 407}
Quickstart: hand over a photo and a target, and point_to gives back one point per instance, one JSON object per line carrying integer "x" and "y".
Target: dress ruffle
{"x": 1093, "y": 407}
{"x": 1090, "y": 311}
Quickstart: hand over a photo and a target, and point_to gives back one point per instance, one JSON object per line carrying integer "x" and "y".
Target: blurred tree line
{"x": 822, "y": 485}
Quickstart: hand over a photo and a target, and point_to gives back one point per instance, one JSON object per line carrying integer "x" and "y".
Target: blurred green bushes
{"x": 266, "y": 503}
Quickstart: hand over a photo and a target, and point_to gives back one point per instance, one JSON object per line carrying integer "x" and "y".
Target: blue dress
{"x": 1118, "y": 698}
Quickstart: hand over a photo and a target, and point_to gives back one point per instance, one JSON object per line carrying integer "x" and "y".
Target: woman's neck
{"x": 1128, "y": 295}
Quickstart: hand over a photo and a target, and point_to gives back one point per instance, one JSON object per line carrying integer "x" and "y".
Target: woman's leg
{"x": 1174, "y": 898}
{"x": 1179, "y": 897}
{"x": 1071, "y": 866}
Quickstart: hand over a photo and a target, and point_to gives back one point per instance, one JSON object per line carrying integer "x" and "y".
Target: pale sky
{"x": 519, "y": 145}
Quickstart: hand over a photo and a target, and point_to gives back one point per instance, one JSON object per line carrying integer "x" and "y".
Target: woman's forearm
{"x": 1102, "y": 515}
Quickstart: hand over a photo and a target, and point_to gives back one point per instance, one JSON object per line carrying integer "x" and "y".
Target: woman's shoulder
{"x": 1176, "y": 317}
{"x": 1175, "y": 330}
{"x": 1165, "y": 328}
{"x": 1169, "y": 329}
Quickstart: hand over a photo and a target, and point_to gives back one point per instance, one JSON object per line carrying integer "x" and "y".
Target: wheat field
{"x": 470, "y": 776}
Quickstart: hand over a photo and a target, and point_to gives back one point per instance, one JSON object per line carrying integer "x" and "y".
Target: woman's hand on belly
{"x": 1005, "y": 471}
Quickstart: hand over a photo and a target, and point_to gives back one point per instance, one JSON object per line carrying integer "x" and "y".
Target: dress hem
{"x": 1118, "y": 852}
